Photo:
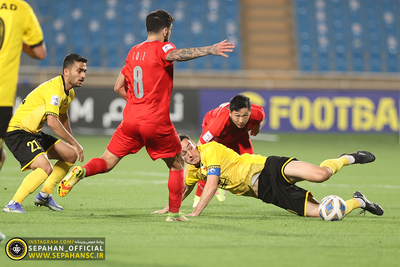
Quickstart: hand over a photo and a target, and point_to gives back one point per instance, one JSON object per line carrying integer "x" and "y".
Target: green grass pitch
{"x": 238, "y": 232}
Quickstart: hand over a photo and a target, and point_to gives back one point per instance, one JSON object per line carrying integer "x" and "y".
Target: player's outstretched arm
{"x": 185, "y": 54}
{"x": 207, "y": 195}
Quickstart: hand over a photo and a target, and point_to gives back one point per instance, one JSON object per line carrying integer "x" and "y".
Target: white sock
{"x": 45, "y": 195}
{"x": 350, "y": 158}
{"x": 361, "y": 202}
{"x": 12, "y": 202}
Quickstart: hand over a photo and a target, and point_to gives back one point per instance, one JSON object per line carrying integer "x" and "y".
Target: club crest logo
{"x": 16, "y": 248}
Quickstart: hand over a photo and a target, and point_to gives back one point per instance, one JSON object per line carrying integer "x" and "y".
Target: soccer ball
{"x": 332, "y": 208}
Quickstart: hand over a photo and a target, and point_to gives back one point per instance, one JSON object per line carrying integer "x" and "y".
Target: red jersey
{"x": 217, "y": 125}
{"x": 149, "y": 77}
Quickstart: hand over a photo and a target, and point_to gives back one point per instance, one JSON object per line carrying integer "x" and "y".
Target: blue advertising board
{"x": 317, "y": 111}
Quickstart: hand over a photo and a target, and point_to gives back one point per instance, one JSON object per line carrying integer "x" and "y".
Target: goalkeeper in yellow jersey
{"x": 49, "y": 102}
{"x": 271, "y": 179}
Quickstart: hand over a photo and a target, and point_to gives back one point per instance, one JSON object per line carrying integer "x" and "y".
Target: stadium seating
{"x": 104, "y": 31}
{"x": 348, "y": 35}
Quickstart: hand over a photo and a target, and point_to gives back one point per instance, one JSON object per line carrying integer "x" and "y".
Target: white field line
{"x": 265, "y": 137}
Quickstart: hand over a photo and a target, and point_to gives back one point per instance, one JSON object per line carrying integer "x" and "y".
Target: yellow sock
{"x": 351, "y": 204}
{"x": 31, "y": 182}
{"x": 335, "y": 164}
{"x": 60, "y": 169}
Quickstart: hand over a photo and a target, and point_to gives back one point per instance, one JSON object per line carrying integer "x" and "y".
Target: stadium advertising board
{"x": 317, "y": 111}
{"x": 99, "y": 111}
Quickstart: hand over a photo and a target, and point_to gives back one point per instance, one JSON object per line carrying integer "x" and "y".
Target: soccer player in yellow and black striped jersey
{"x": 271, "y": 179}
{"x": 49, "y": 102}
{"x": 19, "y": 30}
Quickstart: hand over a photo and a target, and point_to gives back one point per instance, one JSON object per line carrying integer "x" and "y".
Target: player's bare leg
{"x": 2, "y": 154}
{"x": 297, "y": 171}
{"x": 312, "y": 207}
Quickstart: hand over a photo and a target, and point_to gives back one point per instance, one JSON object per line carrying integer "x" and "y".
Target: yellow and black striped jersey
{"x": 49, "y": 98}
{"x": 18, "y": 23}
{"x": 235, "y": 171}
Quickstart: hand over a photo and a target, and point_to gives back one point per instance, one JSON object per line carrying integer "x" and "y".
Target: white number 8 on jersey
{"x": 138, "y": 82}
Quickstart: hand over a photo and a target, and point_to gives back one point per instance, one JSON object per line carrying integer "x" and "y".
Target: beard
{"x": 166, "y": 38}
{"x": 76, "y": 84}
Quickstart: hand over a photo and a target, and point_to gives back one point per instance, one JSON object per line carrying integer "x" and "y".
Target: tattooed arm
{"x": 184, "y": 54}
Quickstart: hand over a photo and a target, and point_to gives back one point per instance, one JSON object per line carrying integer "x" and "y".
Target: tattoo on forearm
{"x": 190, "y": 53}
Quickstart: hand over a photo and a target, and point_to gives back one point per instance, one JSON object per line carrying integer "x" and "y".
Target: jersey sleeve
{"x": 212, "y": 158}
{"x": 257, "y": 115}
{"x": 53, "y": 101}
{"x": 33, "y": 34}
{"x": 164, "y": 50}
{"x": 214, "y": 128}
{"x": 191, "y": 178}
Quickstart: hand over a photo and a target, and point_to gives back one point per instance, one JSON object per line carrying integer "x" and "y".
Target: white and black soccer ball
{"x": 332, "y": 208}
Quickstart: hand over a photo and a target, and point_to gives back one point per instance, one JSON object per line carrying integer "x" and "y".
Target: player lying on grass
{"x": 230, "y": 124}
{"x": 271, "y": 179}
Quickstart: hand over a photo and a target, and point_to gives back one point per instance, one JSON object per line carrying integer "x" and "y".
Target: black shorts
{"x": 274, "y": 188}
{"x": 26, "y": 146}
{"x": 5, "y": 117}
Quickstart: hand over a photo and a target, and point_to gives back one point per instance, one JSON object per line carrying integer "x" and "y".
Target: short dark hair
{"x": 71, "y": 58}
{"x": 157, "y": 20}
{"x": 238, "y": 102}
{"x": 184, "y": 136}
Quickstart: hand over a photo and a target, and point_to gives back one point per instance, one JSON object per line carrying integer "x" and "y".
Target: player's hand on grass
{"x": 164, "y": 210}
{"x": 221, "y": 48}
{"x": 79, "y": 152}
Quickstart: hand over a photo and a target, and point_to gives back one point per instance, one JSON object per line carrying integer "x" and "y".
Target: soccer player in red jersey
{"x": 146, "y": 83}
{"x": 229, "y": 124}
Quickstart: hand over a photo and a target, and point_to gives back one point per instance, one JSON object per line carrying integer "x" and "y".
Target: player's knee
{"x": 322, "y": 175}
{"x": 47, "y": 169}
{"x": 72, "y": 158}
